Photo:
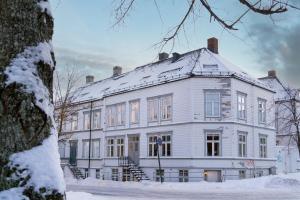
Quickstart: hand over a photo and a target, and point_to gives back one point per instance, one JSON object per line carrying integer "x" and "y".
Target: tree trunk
{"x": 23, "y": 123}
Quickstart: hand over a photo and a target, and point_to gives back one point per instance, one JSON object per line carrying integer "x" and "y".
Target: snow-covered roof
{"x": 201, "y": 62}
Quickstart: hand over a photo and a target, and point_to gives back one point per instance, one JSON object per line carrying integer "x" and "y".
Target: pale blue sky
{"x": 84, "y": 35}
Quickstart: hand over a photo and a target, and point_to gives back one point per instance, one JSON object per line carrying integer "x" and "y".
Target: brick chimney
{"x": 117, "y": 71}
{"x": 272, "y": 73}
{"x": 212, "y": 45}
{"x": 89, "y": 79}
{"x": 163, "y": 56}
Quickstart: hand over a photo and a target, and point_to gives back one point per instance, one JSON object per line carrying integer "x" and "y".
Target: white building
{"x": 214, "y": 120}
{"x": 286, "y": 138}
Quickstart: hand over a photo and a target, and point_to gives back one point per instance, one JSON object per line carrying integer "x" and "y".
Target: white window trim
{"x": 265, "y": 153}
{"x": 92, "y": 148}
{"x": 138, "y": 113}
{"x": 264, "y": 115}
{"x": 240, "y": 94}
{"x": 85, "y": 141}
{"x": 72, "y": 121}
{"x": 213, "y": 132}
{"x": 159, "y": 100}
{"x": 245, "y": 144}
{"x": 205, "y": 103}
{"x": 93, "y": 117}
{"x": 160, "y": 134}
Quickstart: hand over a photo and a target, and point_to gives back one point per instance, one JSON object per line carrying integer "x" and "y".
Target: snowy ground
{"x": 285, "y": 187}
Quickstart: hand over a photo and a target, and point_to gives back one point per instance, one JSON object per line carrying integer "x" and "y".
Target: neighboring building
{"x": 214, "y": 122}
{"x": 286, "y": 146}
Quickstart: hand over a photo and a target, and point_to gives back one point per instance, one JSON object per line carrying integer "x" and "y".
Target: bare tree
{"x": 65, "y": 84}
{"x": 288, "y": 117}
{"x": 262, "y": 7}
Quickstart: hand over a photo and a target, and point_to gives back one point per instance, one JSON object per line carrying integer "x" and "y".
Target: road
{"x": 133, "y": 193}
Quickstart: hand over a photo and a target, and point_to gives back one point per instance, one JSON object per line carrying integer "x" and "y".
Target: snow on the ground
{"x": 282, "y": 181}
{"x": 277, "y": 185}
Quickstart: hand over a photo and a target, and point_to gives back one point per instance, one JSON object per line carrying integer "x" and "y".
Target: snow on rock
{"x": 13, "y": 194}
{"x": 23, "y": 70}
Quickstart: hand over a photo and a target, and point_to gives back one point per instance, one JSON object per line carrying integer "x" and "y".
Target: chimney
{"x": 212, "y": 45}
{"x": 89, "y": 79}
{"x": 117, "y": 71}
{"x": 175, "y": 57}
{"x": 163, "y": 56}
{"x": 272, "y": 73}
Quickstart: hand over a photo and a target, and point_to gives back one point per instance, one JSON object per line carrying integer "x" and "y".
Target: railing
{"x": 123, "y": 161}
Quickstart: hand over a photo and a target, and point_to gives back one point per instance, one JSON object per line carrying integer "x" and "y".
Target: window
{"x": 166, "y": 108}
{"x": 183, "y": 175}
{"x": 212, "y": 104}
{"x": 86, "y": 120}
{"x": 110, "y": 147}
{"x": 153, "y": 110}
{"x": 262, "y": 110}
{"x": 74, "y": 122}
{"x": 120, "y": 109}
{"x": 242, "y": 174}
{"x": 213, "y": 145}
{"x": 160, "y": 108}
{"x": 241, "y": 105}
{"x": 96, "y": 119}
{"x": 111, "y": 117}
{"x": 115, "y": 115}
{"x": 61, "y": 146}
{"x": 120, "y": 147}
{"x": 263, "y": 146}
{"x": 134, "y": 112}
{"x": 85, "y": 148}
{"x": 164, "y": 148}
{"x": 114, "y": 174}
{"x": 242, "y": 144}
{"x": 96, "y": 148}
{"x": 86, "y": 173}
{"x": 97, "y": 173}
{"x": 158, "y": 174}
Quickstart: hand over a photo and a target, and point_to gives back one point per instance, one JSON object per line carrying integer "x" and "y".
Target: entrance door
{"x": 73, "y": 152}
{"x": 134, "y": 148}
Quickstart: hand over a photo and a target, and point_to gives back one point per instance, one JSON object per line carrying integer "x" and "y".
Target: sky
{"x": 85, "y": 36}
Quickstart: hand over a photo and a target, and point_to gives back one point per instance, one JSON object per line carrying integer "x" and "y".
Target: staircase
{"x": 76, "y": 172}
{"x": 130, "y": 169}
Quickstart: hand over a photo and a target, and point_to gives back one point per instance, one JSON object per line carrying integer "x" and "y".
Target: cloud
{"x": 278, "y": 47}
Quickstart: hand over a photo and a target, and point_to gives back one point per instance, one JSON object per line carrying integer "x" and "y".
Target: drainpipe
{"x": 90, "y": 139}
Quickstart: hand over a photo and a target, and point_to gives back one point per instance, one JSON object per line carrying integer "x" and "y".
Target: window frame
{"x": 137, "y": 114}
{"x": 244, "y": 145}
{"x": 263, "y": 148}
{"x": 212, "y": 105}
{"x": 110, "y": 147}
{"x": 213, "y": 133}
{"x": 93, "y": 119}
{"x": 163, "y": 149}
{"x": 158, "y": 103}
{"x": 182, "y": 176}
{"x": 155, "y": 108}
{"x": 262, "y": 110}
{"x": 87, "y": 142}
{"x": 72, "y": 121}
{"x": 86, "y": 116}
{"x": 93, "y": 150}
{"x": 242, "y": 95}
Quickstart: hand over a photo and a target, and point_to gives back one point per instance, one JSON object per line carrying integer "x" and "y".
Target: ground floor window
{"x": 86, "y": 173}
{"x": 97, "y": 173}
{"x": 242, "y": 174}
{"x": 183, "y": 175}
{"x": 114, "y": 174}
{"x": 165, "y": 147}
{"x": 158, "y": 174}
{"x": 213, "y": 144}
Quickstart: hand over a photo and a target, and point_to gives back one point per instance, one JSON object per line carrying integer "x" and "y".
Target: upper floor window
{"x": 134, "y": 112}
{"x": 262, "y": 146}
{"x": 160, "y": 108}
{"x": 242, "y": 144}
{"x": 86, "y": 120}
{"x": 166, "y": 107}
{"x": 96, "y": 119}
{"x": 115, "y": 114}
{"x": 241, "y": 105}
{"x": 153, "y": 110}
{"x": 262, "y": 104}
{"x": 74, "y": 121}
{"x": 165, "y": 148}
{"x": 212, "y": 104}
{"x": 213, "y": 144}
{"x": 95, "y": 148}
